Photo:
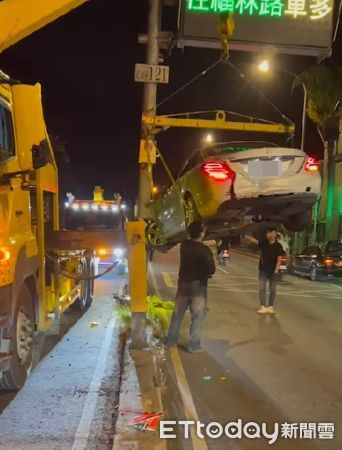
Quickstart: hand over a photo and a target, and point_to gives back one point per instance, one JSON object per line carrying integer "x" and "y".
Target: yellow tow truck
{"x": 39, "y": 280}
{"x": 35, "y": 286}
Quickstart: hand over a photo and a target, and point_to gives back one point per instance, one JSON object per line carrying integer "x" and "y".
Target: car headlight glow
{"x": 118, "y": 252}
{"x": 103, "y": 251}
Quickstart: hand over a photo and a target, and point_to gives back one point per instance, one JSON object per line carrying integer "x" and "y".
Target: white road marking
{"x": 188, "y": 401}
{"x": 237, "y": 284}
{"x": 89, "y": 408}
{"x": 222, "y": 270}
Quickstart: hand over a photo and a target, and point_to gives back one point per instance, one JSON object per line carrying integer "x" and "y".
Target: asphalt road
{"x": 70, "y": 399}
{"x": 281, "y": 369}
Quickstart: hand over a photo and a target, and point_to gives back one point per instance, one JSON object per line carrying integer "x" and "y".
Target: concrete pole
{"x": 149, "y": 103}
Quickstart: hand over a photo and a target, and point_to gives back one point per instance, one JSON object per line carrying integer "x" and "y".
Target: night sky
{"x": 85, "y": 63}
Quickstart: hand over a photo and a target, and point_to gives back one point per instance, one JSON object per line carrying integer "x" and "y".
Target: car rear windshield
{"x": 93, "y": 220}
{"x": 234, "y": 147}
{"x": 334, "y": 248}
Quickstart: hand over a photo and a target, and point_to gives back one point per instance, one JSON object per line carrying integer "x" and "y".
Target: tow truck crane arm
{"x": 20, "y": 18}
{"x": 220, "y": 122}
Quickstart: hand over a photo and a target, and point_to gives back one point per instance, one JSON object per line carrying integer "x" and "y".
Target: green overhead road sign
{"x": 289, "y": 26}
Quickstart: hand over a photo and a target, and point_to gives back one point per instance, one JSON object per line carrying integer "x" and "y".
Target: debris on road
{"x": 146, "y": 422}
{"x": 207, "y": 378}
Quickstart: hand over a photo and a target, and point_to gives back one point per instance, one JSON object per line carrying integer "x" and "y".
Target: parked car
{"x": 318, "y": 261}
{"x": 232, "y": 184}
{"x": 283, "y": 267}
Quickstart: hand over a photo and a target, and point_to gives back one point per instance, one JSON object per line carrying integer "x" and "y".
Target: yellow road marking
{"x": 188, "y": 402}
{"x": 168, "y": 280}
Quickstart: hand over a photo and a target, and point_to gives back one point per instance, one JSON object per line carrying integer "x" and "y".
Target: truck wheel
{"x": 21, "y": 343}
{"x": 91, "y": 283}
{"x": 85, "y": 298}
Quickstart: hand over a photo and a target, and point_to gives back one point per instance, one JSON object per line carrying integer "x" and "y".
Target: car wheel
{"x": 314, "y": 276}
{"x": 298, "y": 222}
{"x": 190, "y": 211}
{"x": 154, "y": 237}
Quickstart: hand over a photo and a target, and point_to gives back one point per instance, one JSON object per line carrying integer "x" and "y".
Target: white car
{"x": 233, "y": 184}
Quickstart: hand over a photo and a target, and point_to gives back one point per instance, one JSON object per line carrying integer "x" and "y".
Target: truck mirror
{"x": 40, "y": 155}
{"x": 29, "y": 126}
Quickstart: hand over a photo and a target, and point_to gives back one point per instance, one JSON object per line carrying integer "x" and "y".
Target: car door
{"x": 172, "y": 208}
{"x": 183, "y": 182}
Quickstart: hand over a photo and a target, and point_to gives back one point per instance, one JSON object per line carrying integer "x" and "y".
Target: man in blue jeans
{"x": 269, "y": 266}
{"x": 196, "y": 267}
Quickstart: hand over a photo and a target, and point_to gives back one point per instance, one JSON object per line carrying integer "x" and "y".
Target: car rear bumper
{"x": 285, "y": 205}
{"x": 333, "y": 272}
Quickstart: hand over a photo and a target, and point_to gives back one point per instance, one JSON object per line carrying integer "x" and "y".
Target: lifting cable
{"x": 172, "y": 179}
{"x": 257, "y": 90}
{"x": 247, "y": 80}
{"x": 189, "y": 83}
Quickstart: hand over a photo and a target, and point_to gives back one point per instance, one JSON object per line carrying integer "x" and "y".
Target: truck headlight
{"x": 118, "y": 252}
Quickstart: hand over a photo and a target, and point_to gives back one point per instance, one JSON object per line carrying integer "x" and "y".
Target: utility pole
{"x": 305, "y": 103}
{"x": 136, "y": 230}
{"x": 149, "y": 105}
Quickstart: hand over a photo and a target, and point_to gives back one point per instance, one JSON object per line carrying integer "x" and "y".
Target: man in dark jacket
{"x": 196, "y": 267}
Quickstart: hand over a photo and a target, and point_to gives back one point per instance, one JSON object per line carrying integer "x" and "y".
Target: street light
{"x": 264, "y": 67}
{"x": 209, "y": 138}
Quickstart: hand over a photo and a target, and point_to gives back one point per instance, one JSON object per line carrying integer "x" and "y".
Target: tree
{"x": 324, "y": 107}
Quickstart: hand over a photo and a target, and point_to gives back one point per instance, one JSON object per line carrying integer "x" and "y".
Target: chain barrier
{"x": 72, "y": 276}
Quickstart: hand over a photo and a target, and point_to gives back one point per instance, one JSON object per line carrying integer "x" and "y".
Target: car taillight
{"x": 328, "y": 262}
{"x": 311, "y": 164}
{"x": 218, "y": 171}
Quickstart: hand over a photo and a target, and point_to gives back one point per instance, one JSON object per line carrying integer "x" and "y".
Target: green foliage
{"x": 159, "y": 314}
{"x": 324, "y": 86}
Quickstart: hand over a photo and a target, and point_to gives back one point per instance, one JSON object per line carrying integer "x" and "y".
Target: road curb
{"x": 138, "y": 394}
